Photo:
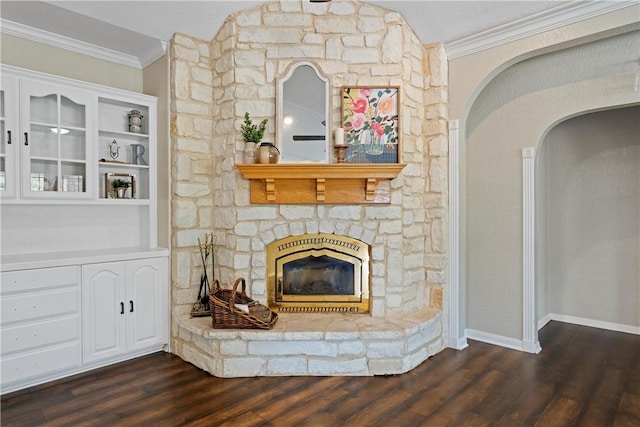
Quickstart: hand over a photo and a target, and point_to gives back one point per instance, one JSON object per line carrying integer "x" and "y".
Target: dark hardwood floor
{"x": 583, "y": 377}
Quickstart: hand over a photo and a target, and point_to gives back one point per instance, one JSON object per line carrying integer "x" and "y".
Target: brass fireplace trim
{"x": 342, "y": 247}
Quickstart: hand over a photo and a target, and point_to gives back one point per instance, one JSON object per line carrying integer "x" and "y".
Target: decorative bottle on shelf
{"x": 269, "y": 153}
{"x": 135, "y": 121}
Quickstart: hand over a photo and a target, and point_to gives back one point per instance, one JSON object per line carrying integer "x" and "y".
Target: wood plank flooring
{"x": 583, "y": 377}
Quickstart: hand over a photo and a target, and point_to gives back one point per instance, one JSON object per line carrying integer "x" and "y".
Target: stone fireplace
{"x": 320, "y": 272}
{"x": 213, "y": 83}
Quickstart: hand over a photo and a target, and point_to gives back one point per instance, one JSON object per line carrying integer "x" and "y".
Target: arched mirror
{"x": 302, "y": 119}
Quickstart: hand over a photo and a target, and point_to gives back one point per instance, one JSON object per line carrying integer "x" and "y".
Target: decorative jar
{"x": 135, "y": 121}
{"x": 269, "y": 153}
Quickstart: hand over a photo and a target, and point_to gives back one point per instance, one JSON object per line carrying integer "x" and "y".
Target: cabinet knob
{"x": 8, "y": 137}
{"x": 26, "y": 138}
{"x": 121, "y": 308}
{"x": 130, "y": 306}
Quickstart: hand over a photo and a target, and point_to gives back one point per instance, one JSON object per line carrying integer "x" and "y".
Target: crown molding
{"x": 73, "y": 45}
{"x": 151, "y": 55}
{"x": 535, "y": 24}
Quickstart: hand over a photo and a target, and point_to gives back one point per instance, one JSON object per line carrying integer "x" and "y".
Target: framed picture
{"x": 119, "y": 186}
{"x": 370, "y": 123}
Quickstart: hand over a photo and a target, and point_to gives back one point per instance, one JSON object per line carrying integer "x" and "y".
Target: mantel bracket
{"x": 270, "y": 186}
{"x": 370, "y": 189}
{"x": 320, "y": 188}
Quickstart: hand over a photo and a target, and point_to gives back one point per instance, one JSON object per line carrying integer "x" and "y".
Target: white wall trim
{"x": 73, "y": 45}
{"x": 529, "y": 326}
{"x": 542, "y": 322}
{"x": 152, "y": 55}
{"x": 488, "y": 338}
{"x": 453, "y": 296}
{"x": 610, "y": 326}
{"x": 535, "y": 24}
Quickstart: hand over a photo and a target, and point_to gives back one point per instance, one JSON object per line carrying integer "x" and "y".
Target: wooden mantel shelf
{"x": 316, "y": 183}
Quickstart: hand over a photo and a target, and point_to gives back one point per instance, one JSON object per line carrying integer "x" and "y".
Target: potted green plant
{"x": 252, "y": 134}
{"x": 120, "y": 185}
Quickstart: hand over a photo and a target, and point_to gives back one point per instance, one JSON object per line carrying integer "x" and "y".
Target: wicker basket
{"x": 225, "y": 315}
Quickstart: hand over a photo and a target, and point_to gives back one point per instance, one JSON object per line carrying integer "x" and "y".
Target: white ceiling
{"x": 137, "y": 27}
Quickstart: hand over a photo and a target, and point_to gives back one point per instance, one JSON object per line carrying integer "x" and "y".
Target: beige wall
{"x": 496, "y": 123}
{"x": 36, "y": 56}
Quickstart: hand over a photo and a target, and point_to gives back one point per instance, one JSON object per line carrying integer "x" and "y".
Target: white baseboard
{"x": 488, "y": 338}
{"x": 534, "y": 347}
{"x": 458, "y": 344}
{"x": 617, "y": 327}
{"x": 542, "y": 322}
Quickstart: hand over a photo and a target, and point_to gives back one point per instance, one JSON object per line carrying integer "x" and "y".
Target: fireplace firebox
{"x": 318, "y": 273}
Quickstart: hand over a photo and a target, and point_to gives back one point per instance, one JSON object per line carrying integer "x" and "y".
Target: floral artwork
{"x": 370, "y": 122}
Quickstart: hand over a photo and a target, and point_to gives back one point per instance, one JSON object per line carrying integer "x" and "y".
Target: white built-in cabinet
{"x": 77, "y": 314}
{"x": 63, "y": 144}
{"x": 9, "y": 136}
{"x": 54, "y": 141}
{"x": 40, "y": 323}
{"x": 63, "y": 139}
{"x": 82, "y": 281}
{"x": 123, "y": 308}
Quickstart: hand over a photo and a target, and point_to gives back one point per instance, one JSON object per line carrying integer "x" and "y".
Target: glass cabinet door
{"x": 55, "y": 146}
{"x": 8, "y": 135}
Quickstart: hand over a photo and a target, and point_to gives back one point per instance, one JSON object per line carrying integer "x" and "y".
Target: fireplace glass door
{"x": 317, "y": 275}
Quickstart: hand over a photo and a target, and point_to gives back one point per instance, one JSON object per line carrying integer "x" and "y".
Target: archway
{"x": 513, "y": 113}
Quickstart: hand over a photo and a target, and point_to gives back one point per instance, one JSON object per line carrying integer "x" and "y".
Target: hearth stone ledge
{"x": 328, "y": 344}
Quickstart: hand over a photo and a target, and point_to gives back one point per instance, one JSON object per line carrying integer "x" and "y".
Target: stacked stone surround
{"x": 214, "y": 83}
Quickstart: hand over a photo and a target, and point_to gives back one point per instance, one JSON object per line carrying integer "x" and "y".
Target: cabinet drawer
{"x": 40, "y": 362}
{"x": 40, "y": 334}
{"x": 41, "y": 278}
{"x": 26, "y": 306}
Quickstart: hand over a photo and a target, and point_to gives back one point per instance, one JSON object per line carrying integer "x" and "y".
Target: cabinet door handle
{"x": 8, "y": 137}
{"x": 130, "y": 306}
{"x": 26, "y": 138}
{"x": 121, "y": 308}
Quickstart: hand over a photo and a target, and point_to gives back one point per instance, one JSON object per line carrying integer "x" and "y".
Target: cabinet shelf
{"x": 75, "y": 202}
{"x": 48, "y": 126}
{"x": 56, "y": 159}
{"x": 315, "y": 183}
{"x": 109, "y": 165}
{"x": 125, "y": 135}
{"x": 130, "y": 202}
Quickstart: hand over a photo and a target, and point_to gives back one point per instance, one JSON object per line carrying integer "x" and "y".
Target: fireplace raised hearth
{"x": 318, "y": 273}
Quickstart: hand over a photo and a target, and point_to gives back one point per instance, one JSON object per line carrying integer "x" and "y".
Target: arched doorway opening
{"x": 588, "y": 221}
